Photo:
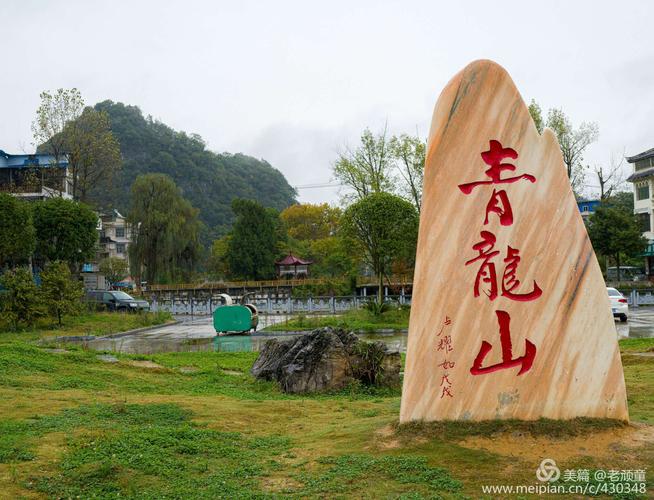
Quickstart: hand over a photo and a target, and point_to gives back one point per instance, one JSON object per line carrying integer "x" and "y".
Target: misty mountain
{"x": 210, "y": 181}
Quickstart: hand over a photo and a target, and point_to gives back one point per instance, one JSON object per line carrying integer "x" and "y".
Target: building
{"x": 291, "y": 267}
{"x": 115, "y": 235}
{"x": 114, "y": 239}
{"x": 643, "y": 180}
{"x": 587, "y": 207}
{"x": 35, "y": 176}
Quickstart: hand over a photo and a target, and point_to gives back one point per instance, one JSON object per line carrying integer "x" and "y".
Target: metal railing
{"x": 272, "y": 305}
{"x": 639, "y": 297}
{"x": 396, "y": 280}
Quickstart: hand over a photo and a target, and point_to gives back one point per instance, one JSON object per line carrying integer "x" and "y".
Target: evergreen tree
{"x": 386, "y": 227}
{"x": 65, "y": 230}
{"x": 253, "y": 245}
{"x": 17, "y": 239}
{"x": 60, "y": 294}
{"x": 615, "y": 232}
{"x": 19, "y": 303}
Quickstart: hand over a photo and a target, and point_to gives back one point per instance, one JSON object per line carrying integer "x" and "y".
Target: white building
{"x": 115, "y": 235}
{"x": 643, "y": 180}
{"x": 114, "y": 241}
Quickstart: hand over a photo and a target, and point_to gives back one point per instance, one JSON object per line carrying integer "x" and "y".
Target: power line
{"x": 319, "y": 185}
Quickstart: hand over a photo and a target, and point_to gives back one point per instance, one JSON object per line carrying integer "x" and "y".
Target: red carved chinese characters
{"x": 494, "y": 157}
{"x": 525, "y": 361}
{"x": 488, "y": 275}
{"x": 499, "y": 202}
{"x": 509, "y": 281}
{"x": 486, "y": 279}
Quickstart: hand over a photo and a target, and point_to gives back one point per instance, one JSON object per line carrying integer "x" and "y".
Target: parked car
{"x": 619, "y": 305}
{"x": 114, "y": 300}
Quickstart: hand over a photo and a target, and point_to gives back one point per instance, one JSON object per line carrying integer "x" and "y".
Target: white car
{"x": 618, "y": 304}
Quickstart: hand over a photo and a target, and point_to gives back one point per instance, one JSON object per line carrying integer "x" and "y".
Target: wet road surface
{"x": 197, "y": 334}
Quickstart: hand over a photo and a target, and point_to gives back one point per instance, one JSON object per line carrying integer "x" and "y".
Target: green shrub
{"x": 376, "y": 308}
{"x": 19, "y": 301}
{"x": 61, "y": 295}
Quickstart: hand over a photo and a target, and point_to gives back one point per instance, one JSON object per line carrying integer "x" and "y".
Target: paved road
{"x": 640, "y": 324}
{"x": 197, "y": 334}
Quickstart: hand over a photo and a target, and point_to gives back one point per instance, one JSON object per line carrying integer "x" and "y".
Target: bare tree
{"x": 611, "y": 177}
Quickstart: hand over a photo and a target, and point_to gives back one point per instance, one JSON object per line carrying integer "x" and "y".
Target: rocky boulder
{"x": 326, "y": 359}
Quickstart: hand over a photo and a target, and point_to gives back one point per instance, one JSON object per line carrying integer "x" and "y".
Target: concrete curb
{"x": 138, "y": 330}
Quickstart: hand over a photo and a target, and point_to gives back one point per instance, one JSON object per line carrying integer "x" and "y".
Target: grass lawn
{"x": 96, "y": 323}
{"x": 355, "y": 319}
{"x": 197, "y": 425}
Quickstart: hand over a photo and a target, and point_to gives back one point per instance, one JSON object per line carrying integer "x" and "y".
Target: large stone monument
{"x": 510, "y": 317}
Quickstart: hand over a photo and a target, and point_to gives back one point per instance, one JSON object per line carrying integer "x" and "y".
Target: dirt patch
{"x": 601, "y": 444}
{"x": 146, "y": 364}
{"x": 232, "y": 372}
{"x": 385, "y": 438}
{"x": 188, "y": 369}
{"x": 280, "y": 484}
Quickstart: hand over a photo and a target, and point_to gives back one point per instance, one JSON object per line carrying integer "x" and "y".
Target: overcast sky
{"x": 295, "y": 81}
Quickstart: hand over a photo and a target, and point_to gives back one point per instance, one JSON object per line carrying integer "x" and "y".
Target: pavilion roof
{"x": 292, "y": 260}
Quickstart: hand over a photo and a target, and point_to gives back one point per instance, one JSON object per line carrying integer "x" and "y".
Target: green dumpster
{"x": 234, "y": 318}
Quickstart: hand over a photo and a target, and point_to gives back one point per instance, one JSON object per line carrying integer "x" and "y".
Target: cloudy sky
{"x": 294, "y": 82}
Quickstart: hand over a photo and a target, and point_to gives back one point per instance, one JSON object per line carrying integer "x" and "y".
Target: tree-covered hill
{"x": 210, "y": 181}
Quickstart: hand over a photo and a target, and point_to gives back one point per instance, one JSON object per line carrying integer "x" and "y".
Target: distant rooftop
{"x": 641, "y": 175}
{"x": 29, "y": 160}
{"x": 292, "y": 260}
{"x": 641, "y": 156}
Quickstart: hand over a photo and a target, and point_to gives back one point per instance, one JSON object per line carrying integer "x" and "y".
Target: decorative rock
{"x": 510, "y": 317}
{"x": 326, "y": 359}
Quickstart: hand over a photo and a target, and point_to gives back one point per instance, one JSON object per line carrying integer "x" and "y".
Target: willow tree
{"x": 165, "y": 230}
{"x": 386, "y": 227}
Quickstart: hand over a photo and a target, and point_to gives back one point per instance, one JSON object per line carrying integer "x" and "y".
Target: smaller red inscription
{"x": 446, "y": 364}
{"x": 447, "y": 392}
{"x": 445, "y": 344}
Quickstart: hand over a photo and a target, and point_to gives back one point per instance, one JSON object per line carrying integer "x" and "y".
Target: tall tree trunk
{"x": 381, "y": 284}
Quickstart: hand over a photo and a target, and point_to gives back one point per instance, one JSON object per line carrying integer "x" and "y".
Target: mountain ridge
{"x": 209, "y": 180}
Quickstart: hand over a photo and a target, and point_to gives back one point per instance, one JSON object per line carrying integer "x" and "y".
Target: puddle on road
{"x": 231, "y": 343}
{"x": 198, "y": 336}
